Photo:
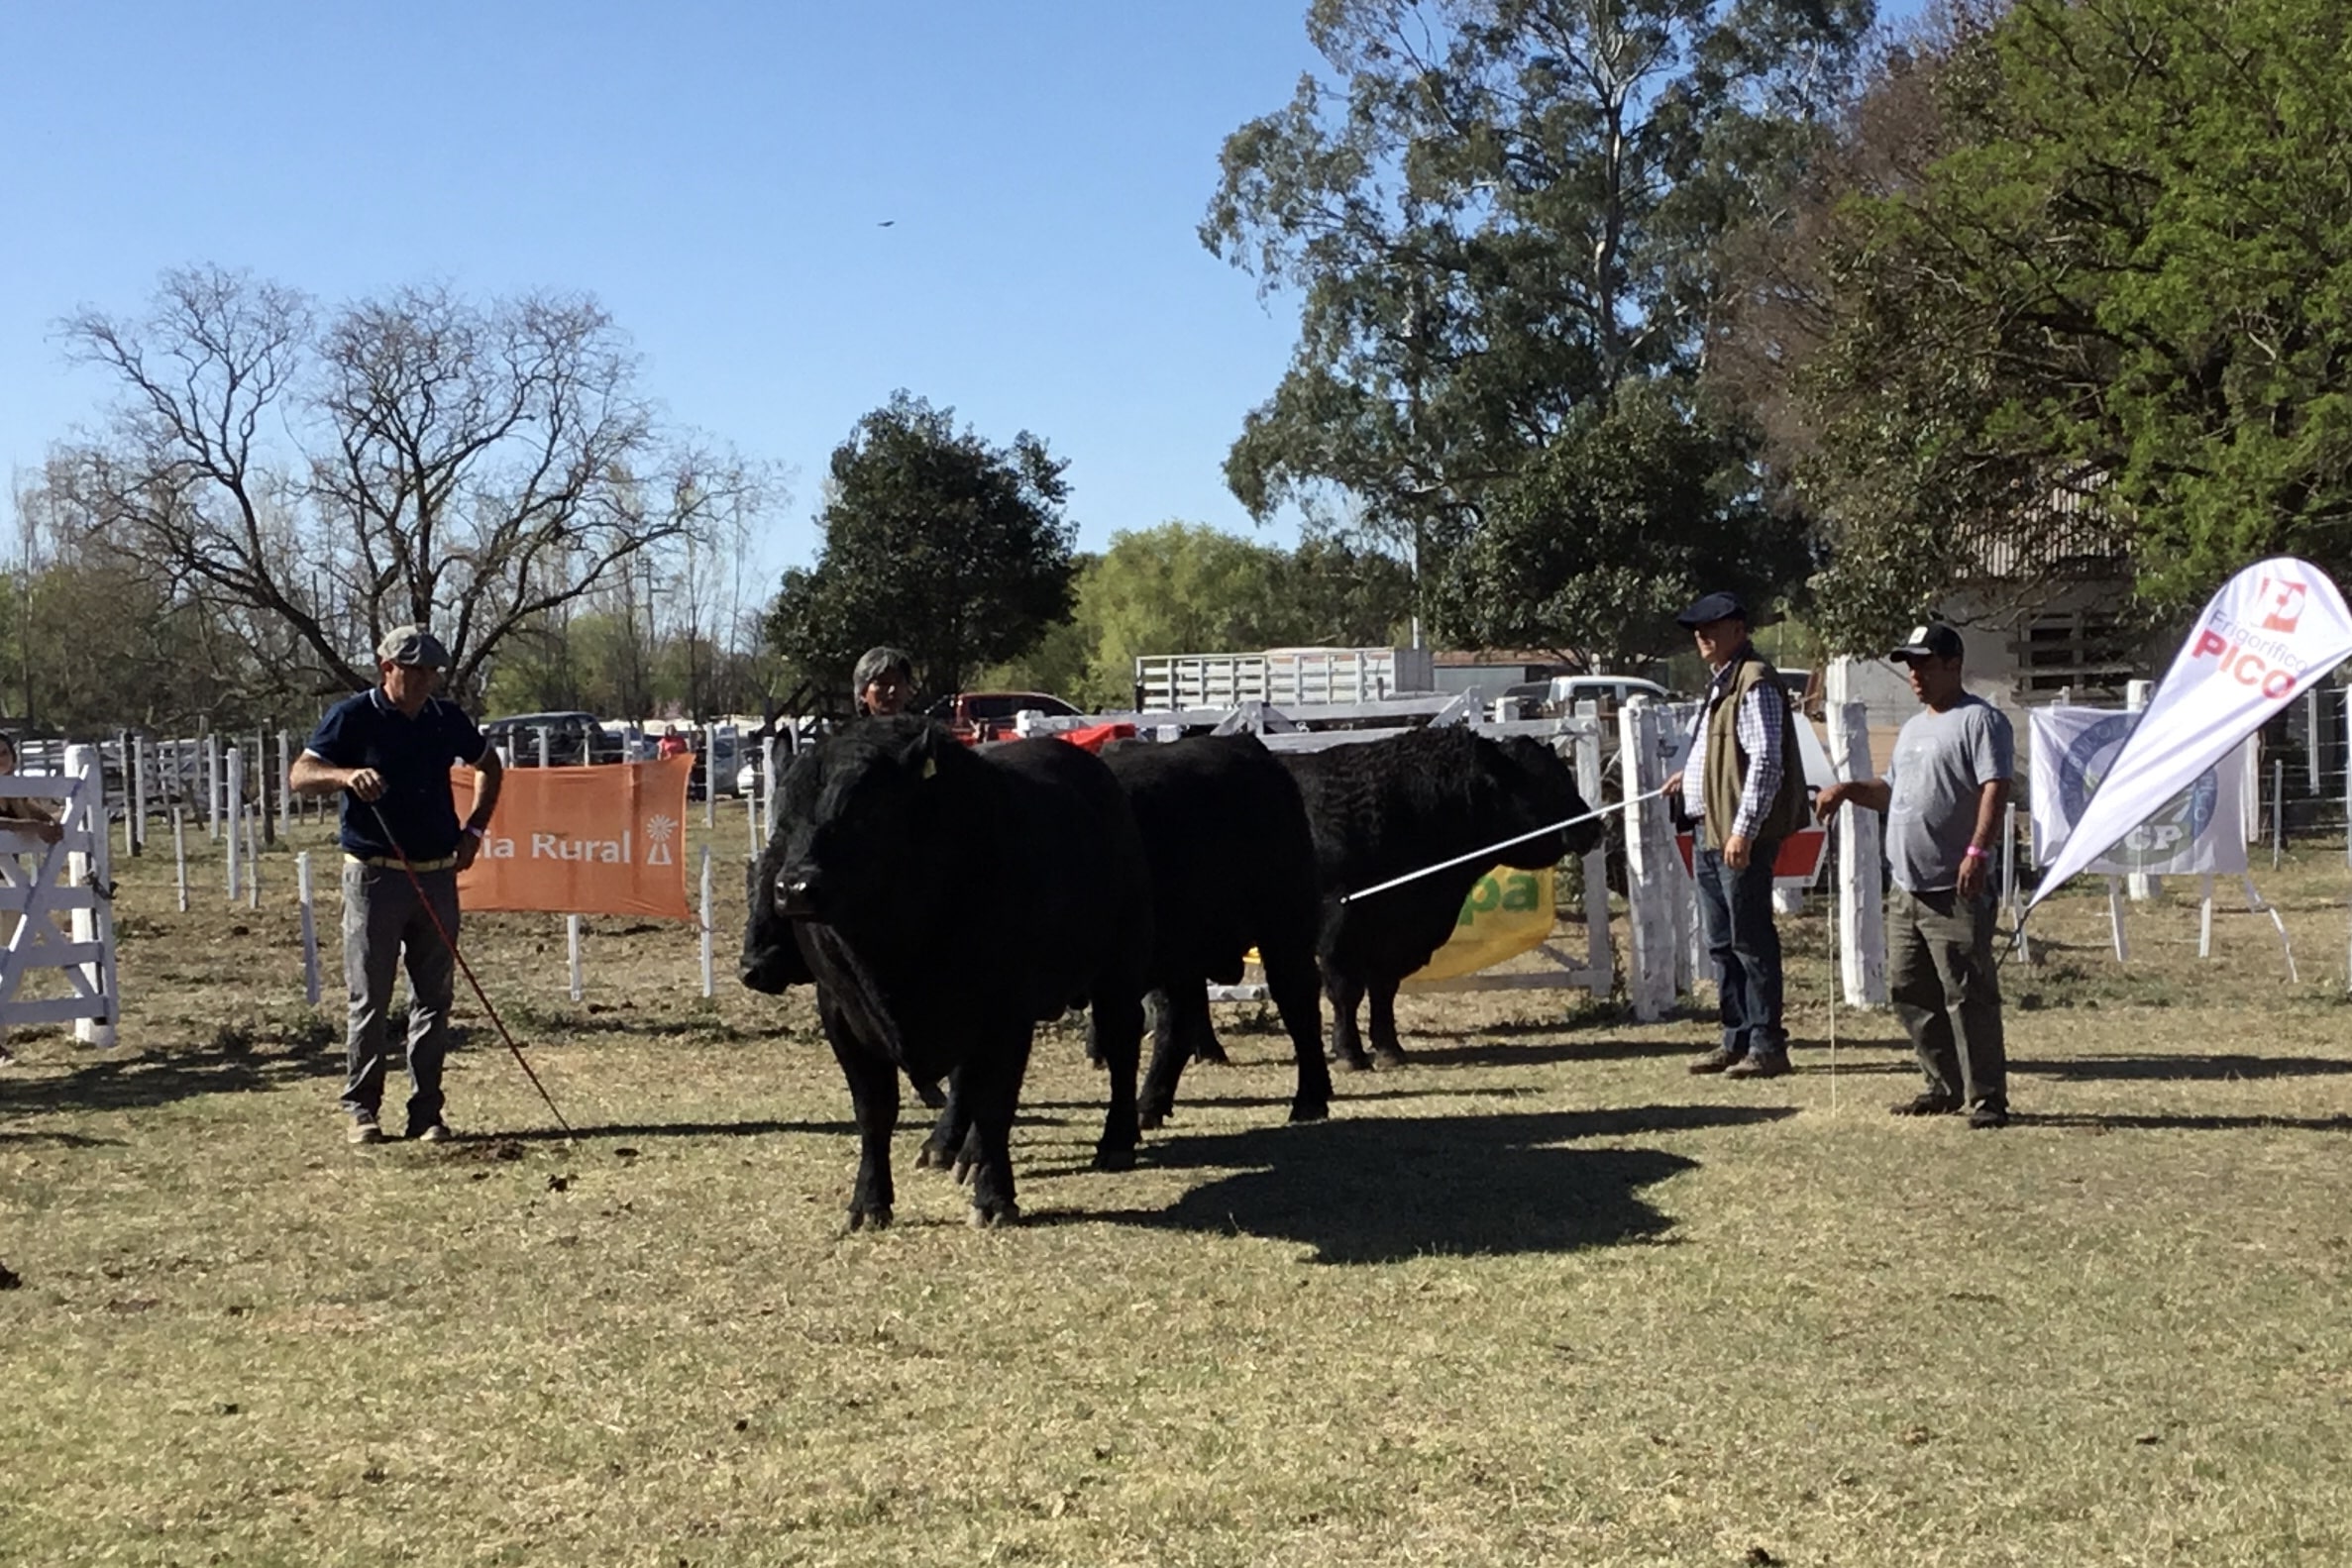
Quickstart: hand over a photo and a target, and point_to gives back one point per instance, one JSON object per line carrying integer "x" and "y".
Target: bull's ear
{"x": 922, "y": 753}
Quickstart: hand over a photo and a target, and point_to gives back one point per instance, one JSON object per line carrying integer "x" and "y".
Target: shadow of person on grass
{"x": 166, "y": 1076}
{"x": 2205, "y": 1069}
{"x": 1381, "y": 1190}
{"x": 2143, "y": 1122}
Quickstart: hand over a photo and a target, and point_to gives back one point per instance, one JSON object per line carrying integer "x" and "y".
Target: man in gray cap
{"x": 1744, "y": 787}
{"x": 389, "y": 750}
{"x": 1943, "y": 794}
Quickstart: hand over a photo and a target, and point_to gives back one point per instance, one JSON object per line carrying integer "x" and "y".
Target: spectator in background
{"x": 1745, "y": 789}
{"x": 883, "y": 683}
{"x": 1944, "y": 796}
{"x": 672, "y": 744}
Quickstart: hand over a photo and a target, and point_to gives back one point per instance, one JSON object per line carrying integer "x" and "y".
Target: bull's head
{"x": 1539, "y": 789}
{"x": 862, "y": 839}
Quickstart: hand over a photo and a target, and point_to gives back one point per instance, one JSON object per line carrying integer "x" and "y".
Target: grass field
{"x": 1540, "y": 1297}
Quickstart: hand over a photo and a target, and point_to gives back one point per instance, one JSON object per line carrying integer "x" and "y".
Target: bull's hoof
{"x": 930, "y": 1157}
{"x": 1359, "y": 1063}
{"x": 869, "y": 1219}
{"x": 964, "y": 1167}
{"x": 995, "y": 1217}
{"x": 1210, "y": 1052}
{"x": 1150, "y": 1117}
{"x": 1108, "y": 1158}
{"x": 1390, "y": 1055}
{"x": 1310, "y": 1109}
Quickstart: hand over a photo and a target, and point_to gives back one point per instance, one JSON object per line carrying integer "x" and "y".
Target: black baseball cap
{"x": 1935, "y": 640}
{"x": 1713, "y": 607}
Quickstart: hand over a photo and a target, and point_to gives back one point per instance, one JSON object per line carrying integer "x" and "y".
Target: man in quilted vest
{"x": 1744, "y": 787}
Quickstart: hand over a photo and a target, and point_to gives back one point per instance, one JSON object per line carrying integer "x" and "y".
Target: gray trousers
{"x": 385, "y": 922}
{"x": 1941, "y": 978}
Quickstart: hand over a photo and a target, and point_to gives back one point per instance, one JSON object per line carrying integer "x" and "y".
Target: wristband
{"x": 1973, "y": 853}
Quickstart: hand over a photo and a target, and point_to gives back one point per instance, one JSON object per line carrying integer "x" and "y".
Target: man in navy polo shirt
{"x": 389, "y": 750}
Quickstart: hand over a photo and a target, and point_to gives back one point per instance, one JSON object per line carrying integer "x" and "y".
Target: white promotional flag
{"x": 2274, "y": 629}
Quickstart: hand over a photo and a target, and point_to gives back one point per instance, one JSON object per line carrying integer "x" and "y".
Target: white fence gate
{"x": 40, "y": 882}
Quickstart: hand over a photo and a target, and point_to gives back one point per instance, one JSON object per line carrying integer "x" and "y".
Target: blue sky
{"x": 716, "y": 175}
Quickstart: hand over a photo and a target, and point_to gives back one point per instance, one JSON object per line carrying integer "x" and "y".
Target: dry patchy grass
{"x": 1540, "y": 1297}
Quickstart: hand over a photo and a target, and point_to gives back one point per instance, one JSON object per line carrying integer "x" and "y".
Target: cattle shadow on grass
{"x": 1382, "y": 1190}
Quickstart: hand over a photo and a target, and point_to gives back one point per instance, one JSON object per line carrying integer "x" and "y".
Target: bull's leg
{"x": 939, "y": 1150}
{"x": 1345, "y": 990}
{"x": 1120, "y": 1029}
{"x": 1385, "y": 1048}
{"x": 1177, "y": 1028}
{"x": 991, "y": 1083}
{"x": 1168, "y": 1054}
{"x": 1203, "y": 1044}
{"x": 1290, "y": 976}
{"x": 874, "y": 1094}
{"x": 928, "y": 1091}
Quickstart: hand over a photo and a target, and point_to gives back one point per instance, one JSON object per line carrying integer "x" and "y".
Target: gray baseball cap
{"x": 412, "y": 645}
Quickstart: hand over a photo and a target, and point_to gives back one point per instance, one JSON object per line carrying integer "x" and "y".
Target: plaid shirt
{"x": 1759, "y": 724}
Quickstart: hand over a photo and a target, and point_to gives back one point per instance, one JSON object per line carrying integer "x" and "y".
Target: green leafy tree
{"x": 2102, "y": 271}
{"x": 1639, "y": 503}
{"x": 1496, "y": 213}
{"x": 936, "y": 542}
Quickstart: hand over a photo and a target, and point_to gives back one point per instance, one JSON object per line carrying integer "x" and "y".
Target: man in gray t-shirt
{"x": 1944, "y": 793}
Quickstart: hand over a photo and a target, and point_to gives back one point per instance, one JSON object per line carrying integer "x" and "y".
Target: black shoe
{"x": 1989, "y": 1116}
{"x": 1758, "y": 1063}
{"x": 1716, "y": 1060}
{"x": 1926, "y": 1106}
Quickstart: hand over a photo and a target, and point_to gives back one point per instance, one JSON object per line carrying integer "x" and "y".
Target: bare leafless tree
{"x": 416, "y": 457}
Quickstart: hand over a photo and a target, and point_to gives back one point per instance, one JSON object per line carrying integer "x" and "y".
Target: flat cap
{"x": 412, "y": 645}
{"x": 1713, "y": 607}
{"x": 1932, "y": 641}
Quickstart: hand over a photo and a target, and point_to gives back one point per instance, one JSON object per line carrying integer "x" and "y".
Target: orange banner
{"x": 604, "y": 840}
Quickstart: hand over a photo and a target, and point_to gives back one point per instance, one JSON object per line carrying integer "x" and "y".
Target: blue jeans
{"x": 1736, "y": 907}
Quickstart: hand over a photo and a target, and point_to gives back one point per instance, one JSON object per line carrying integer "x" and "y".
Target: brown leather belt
{"x": 393, "y": 862}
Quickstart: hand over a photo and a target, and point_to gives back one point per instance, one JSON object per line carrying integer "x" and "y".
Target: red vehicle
{"x": 975, "y": 716}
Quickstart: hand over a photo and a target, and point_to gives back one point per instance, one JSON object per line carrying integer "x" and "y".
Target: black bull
{"x": 946, "y": 902}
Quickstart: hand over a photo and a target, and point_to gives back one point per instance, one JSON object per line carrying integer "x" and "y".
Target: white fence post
{"x": 310, "y": 985}
{"x": 94, "y": 919}
{"x": 707, "y": 988}
{"x": 571, "y": 956}
{"x": 180, "y": 856}
{"x": 1861, "y": 913}
{"x": 232, "y": 777}
{"x": 1653, "y": 881}
{"x": 2140, "y": 885}
{"x": 710, "y": 776}
{"x": 768, "y": 787}
{"x": 1600, "y": 954}
{"x": 212, "y": 787}
{"x": 138, "y": 781}
{"x": 252, "y": 857}
{"x": 285, "y": 796}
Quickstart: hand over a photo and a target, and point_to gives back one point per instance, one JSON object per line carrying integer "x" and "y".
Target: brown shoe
{"x": 1758, "y": 1063}
{"x": 1719, "y": 1060}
